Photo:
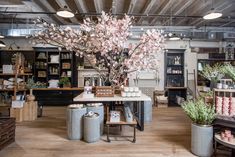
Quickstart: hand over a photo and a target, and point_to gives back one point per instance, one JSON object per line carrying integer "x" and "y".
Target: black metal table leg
{"x": 140, "y": 124}
{"x": 40, "y": 110}
{"x": 134, "y": 139}
{"x": 108, "y": 133}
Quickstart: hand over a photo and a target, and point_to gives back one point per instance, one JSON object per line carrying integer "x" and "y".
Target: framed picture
{"x": 41, "y": 73}
{"x": 66, "y": 65}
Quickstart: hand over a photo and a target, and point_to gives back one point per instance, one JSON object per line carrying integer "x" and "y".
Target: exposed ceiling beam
{"x": 131, "y": 6}
{"x": 81, "y": 6}
{"x": 184, "y": 6}
{"x": 149, "y": 5}
{"x": 166, "y": 5}
{"x": 99, "y": 6}
{"x": 47, "y": 7}
{"x": 62, "y": 3}
{"x": 198, "y": 6}
{"x": 177, "y": 4}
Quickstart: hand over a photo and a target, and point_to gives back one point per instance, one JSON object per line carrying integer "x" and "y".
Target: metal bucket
{"x": 91, "y": 128}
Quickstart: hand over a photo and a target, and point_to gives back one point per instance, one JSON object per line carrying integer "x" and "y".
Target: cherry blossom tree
{"x": 106, "y": 39}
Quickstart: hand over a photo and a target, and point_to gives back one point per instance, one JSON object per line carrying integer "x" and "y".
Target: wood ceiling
{"x": 146, "y": 12}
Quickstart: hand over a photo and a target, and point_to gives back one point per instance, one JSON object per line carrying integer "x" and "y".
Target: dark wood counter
{"x": 55, "y": 96}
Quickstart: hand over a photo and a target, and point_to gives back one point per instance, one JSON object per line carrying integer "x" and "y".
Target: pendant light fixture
{"x": 2, "y": 44}
{"x": 212, "y": 14}
{"x": 65, "y": 12}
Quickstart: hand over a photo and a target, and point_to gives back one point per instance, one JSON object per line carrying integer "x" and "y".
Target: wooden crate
{"x": 17, "y": 113}
{"x": 7, "y": 131}
{"x": 104, "y": 91}
{"x": 30, "y": 111}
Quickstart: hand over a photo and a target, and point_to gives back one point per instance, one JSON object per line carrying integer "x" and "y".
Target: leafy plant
{"x": 199, "y": 112}
{"x": 229, "y": 70}
{"x": 64, "y": 81}
{"x": 213, "y": 73}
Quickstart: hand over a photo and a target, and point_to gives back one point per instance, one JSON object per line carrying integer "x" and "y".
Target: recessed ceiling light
{"x": 65, "y": 12}
{"x": 212, "y": 15}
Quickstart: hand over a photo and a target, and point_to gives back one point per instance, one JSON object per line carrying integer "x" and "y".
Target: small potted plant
{"x": 213, "y": 73}
{"x": 64, "y": 82}
{"x": 202, "y": 116}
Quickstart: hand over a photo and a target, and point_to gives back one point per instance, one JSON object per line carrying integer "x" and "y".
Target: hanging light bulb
{"x": 65, "y": 12}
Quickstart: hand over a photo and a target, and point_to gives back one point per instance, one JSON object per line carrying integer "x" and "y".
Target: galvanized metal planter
{"x": 202, "y": 140}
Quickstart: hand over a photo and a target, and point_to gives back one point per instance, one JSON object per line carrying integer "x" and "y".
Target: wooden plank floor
{"x": 168, "y": 135}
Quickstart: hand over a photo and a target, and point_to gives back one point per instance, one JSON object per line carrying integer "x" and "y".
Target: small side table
{"x": 132, "y": 124}
{"x": 225, "y": 143}
{"x": 121, "y": 123}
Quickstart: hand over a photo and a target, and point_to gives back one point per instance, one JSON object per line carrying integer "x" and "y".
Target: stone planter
{"x": 202, "y": 140}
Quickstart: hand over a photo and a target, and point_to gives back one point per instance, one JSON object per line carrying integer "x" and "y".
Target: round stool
{"x": 75, "y": 122}
{"x": 91, "y": 127}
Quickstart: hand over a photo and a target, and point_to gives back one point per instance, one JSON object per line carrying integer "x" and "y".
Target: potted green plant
{"x": 213, "y": 73}
{"x": 229, "y": 70}
{"x": 202, "y": 116}
{"x": 64, "y": 82}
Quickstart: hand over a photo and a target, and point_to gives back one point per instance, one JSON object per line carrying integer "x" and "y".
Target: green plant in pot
{"x": 64, "y": 82}
{"x": 202, "y": 116}
{"x": 213, "y": 73}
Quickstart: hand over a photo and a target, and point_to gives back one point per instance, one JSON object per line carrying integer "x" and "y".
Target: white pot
{"x": 225, "y": 86}
{"x": 219, "y": 85}
{"x": 202, "y": 140}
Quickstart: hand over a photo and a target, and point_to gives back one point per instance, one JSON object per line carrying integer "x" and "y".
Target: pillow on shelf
{"x": 54, "y": 58}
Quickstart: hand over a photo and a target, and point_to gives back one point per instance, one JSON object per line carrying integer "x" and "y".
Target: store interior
{"x": 117, "y": 78}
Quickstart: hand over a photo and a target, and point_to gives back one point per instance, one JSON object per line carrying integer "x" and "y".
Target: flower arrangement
{"x": 213, "y": 73}
{"x": 104, "y": 44}
{"x": 199, "y": 112}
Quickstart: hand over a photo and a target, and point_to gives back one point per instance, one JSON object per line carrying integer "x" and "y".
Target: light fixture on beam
{"x": 212, "y": 15}
{"x": 2, "y": 44}
{"x": 65, "y": 12}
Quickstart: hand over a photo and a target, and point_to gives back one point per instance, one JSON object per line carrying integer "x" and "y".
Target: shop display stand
{"x": 121, "y": 123}
{"x": 46, "y": 69}
{"x": 223, "y": 121}
{"x": 174, "y": 77}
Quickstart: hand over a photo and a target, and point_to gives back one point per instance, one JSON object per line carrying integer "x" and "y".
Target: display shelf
{"x": 54, "y": 67}
{"x": 174, "y": 76}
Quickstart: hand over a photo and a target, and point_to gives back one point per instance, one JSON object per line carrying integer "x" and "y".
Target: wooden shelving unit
{"x": 45, "y": 69}
{"x": 174, "y": 76}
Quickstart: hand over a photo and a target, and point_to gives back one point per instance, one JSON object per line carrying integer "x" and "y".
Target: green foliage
{"x": 199, "y": 112}
{"x": 64, "y": 81}
{"x": 229, "y": 70}
{"x": 213, "y": 73}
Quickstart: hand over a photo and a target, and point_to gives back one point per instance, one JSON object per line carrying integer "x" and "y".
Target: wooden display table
{"x": 139, "y": 107}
